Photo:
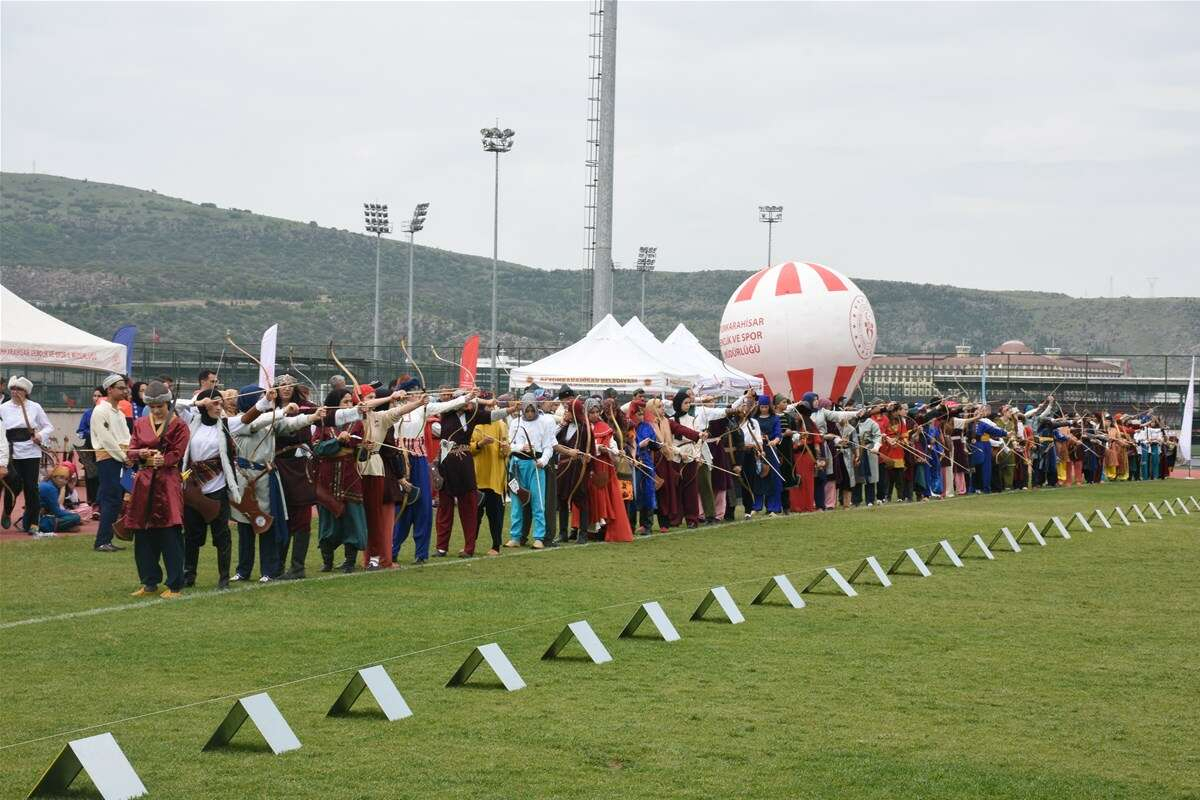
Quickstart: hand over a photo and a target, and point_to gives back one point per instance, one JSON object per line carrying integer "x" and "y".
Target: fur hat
{"x": 20, "y": 382}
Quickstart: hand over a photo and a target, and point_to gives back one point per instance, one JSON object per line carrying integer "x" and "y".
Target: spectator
{"x": 206, "y": 380}
{"x": 55, "y": 518}
{"x": 87, "y": 458}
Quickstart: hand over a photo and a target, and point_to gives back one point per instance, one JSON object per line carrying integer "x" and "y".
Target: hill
{"x": 103, "y": 255}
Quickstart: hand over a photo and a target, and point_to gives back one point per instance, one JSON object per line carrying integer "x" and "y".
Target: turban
{"x": 157, "y": 392}
{"x": 593, "y": 404}
{"x": 529, "y": 400}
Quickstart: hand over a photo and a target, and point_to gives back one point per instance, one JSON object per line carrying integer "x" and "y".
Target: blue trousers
{"x": 1150, "y": 462}
{"x": 534, "y": 480}
{"x": 983, "y": 476}
{"x": 69, "y": 521}
{"x": 111, "y": 497}
{"x": 417, "y": 518}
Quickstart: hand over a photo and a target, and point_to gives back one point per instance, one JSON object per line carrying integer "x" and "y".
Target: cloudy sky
{"x": 1044, "y": 146}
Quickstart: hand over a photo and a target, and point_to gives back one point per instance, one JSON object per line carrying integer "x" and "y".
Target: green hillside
{"x": 102, "y": 255}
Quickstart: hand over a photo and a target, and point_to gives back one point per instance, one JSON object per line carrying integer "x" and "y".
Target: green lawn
{"x": 1063, "y": 671}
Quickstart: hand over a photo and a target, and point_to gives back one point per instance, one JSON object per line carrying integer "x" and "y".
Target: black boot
{"x": 351, "y": 552}
{"x": 224, "y": 551}
{"x": 326, "y": 557}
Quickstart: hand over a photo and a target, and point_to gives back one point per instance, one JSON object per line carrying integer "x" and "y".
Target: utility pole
{"x": 770, "y": 215}
{"x": 411, "y": 227}
{"x": 376, "y": 216}
{"x": 496, "y": 141}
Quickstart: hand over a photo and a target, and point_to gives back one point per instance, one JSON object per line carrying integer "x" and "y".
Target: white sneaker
{"x": 265, "y": 579}
{"x": 869, "y": 505}
{"x": 45, "y": 535}
{"x": 374, "y": 561}
{"x": 236, "y": 577}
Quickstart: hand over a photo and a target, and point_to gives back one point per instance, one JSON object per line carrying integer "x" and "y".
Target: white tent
{"x": 680, "y": 369}
{"x": 30, "y": 336}
{"x": 604, "y": 357}
{"x": 715, "y": 375}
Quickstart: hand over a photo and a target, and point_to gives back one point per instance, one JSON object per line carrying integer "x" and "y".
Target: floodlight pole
{"x": 770, "y": 215}
{"x": 496, "y": 141}
{"x": 411, "y": 233}
{"x": 378, "y": 243}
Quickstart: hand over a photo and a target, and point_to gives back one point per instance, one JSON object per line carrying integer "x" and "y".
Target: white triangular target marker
{"x": 1098, "y": 514}
{"x": 871, "y": 563}
{"x": 977, "y": 540}
{"x": 1195, "y": 502}
{"x": 1006, "y": 534}
{"x": 944, "y": 547}
{"x": 654, "y": 612}
{"x": 587, "y": 639}
{"x": 259, "y": 709}
{"x": 496, "y": 660}
{"x": 106, "y": 766}
{"x": 784, "y": 585}
{"x": 1167, "y": 505}
{"x": 376, "y": 681}
{"x": 1118, "y": 511}
{"x": 721, "y": 595}
{"x": 915, "y": 559}
{"x": 1182, "y": 505}
{"x": 833, "y": 575}
{"x": 1154, "y": 510}
{"x": 1083, "y": 521}
{"x": 1134, "y": 508}
{"x": 1032, "y": 530}
{"x": 1058, "y": 527}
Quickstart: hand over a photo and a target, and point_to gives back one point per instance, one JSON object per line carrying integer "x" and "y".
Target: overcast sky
{"x": 1045, "y": 146}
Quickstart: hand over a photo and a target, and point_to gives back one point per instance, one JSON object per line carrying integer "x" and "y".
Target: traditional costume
{"x": 341, "y": 520}
{"x": 155, "y": 511}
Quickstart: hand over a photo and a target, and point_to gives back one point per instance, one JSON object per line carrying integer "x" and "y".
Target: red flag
{"x": 467, "y": 365}
{"x": 157, "y": 338}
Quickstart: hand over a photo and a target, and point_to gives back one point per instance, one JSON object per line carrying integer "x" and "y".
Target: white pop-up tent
{"x": 605, "y": 357}
{"x": 715, "y": 375}
{"x": 30, "y": 336}
{"x": 680, "y": 369}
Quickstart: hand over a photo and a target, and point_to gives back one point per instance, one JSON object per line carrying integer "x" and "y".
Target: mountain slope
{"x": 103, "y": 255}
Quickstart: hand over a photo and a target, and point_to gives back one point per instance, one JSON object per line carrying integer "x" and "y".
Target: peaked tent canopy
{"x": 715, "y": 374}
{"x": 604, "y": 357}
{"x": 679, "y": 370}
{"x": 31, "y": 336}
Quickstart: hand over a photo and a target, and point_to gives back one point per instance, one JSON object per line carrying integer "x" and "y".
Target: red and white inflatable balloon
{"x": 800, "y": 327}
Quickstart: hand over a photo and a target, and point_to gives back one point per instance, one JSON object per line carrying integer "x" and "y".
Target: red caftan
{"x": 605, "y": 501}
{"x": 157, "y": 497}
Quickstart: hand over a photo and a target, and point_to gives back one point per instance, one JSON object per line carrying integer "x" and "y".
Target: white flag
{"x": 266, "y": 354}
{"x": 1185, "y": 427}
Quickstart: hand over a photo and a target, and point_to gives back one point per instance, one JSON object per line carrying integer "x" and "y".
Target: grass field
{"x": 1064, "y": 671}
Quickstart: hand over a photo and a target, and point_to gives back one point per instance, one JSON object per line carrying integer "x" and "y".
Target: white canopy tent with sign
{"x": 715, "y": 374}
{"x": 31, "y": 336}
{"x": 605, "y": 357}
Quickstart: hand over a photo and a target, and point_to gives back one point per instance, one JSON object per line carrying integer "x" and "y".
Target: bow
{"x": 229, "y": 340}
{"x": 295, "y": 369}
{"x": 333, "y": 357}
{"x": 413, "y": 361}
{"x": 433, "y": 350}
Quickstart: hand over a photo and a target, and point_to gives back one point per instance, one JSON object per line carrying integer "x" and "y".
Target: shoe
{"x": 493, "y": 552}
{"x": 45, "y": 535}
{"x": 95, "y": 515}
{"x": 105, "y": 548}
{"x": 237, "y": 576}
{"x": 663, "y": 529}
{"x": 465, "y": 554}
{"x": 512, "y": 543}
{"x": 347, "y": 567}
{"x": 223, "y": 583}
{"x": 538, "y": 545}
{"x": 6, "y": 522}
{"x": 326, "y": 568}
{"x": 439, "y": 553}
{"x": 117, "y": 547}
{"x": 550, "y": 543}
{"x": 189, "y": 581}
{"x": 144, "y": 591}
{"x": 419, "y": 561}
{"x": 265, "y": 579}
{"x": 710, "y": 520}
{"x": 692, "y": 526}
{"x": 772, "y": 515}
{"x": 167, "y": 594}
{"x": 644, "y": 532}
{"x": 372, "y": 566}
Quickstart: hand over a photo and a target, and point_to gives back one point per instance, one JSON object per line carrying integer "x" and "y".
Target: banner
{"x": 469, "y": 363}
{"x": 1185, "y": 427}
{"x": 266, "y": 354}
{"x": 125, "y": 335}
